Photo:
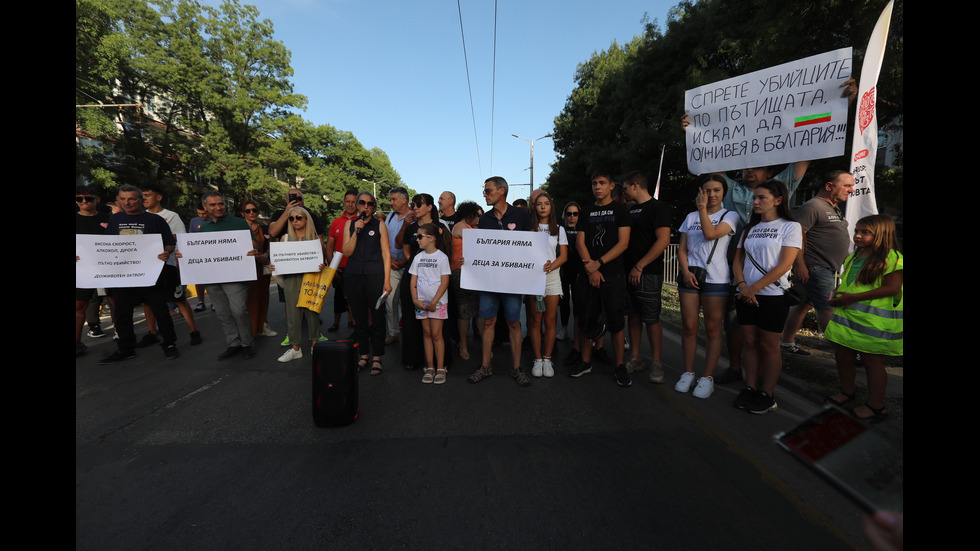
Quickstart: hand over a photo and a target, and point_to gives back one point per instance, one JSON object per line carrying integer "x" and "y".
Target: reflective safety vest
{"x": 870, "y": 326}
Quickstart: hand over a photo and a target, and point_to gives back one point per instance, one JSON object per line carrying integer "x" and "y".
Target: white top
{"x": 430, "y": 268}
{"x": 765, "y": 242}
{"x": 699, "y": 248}
{"x": 554, "y": 241}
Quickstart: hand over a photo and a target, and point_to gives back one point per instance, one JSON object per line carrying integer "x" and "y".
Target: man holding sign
{"x": 501, "y": 217}
{"x": 132, "y": 220}
{"x": 230, "y": 299}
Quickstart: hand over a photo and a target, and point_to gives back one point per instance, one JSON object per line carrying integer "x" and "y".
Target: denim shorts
{"x": 490, "y": 304}
{"x": 819, "y": 286}
{"x": 708, "y": 290}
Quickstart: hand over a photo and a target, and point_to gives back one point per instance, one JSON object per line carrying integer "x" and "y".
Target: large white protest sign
{"x": 215, "y": 257}
{"x": 296, "y": 257}
{"x": 790, "y": 112}
{"x": 117, "y": 260}
{"x": 504, "y": 261}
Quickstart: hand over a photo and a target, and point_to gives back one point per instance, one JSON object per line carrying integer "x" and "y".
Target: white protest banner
{"x": 864, "y": 147}
{"x": 504, "y": 261}
{"x": 790, "y": 112}
{"x": 117, "y": 260}
{"x": 296, "y": 257}
{"x": 215, "y": 257}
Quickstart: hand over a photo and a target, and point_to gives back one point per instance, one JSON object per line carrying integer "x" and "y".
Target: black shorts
{"x": 170, "y": 279}
{"x": 769, "y": 315}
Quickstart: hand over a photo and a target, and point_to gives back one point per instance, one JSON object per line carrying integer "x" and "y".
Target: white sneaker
{"x": 705, "y": 388}
{"x": 547, "y": 368}
{"x": 268, "y": 331}
{"x": 684, "y": 384}
{"x": 537, "y": 369}
{"x": 290, "y": 355}
{"x": 563, "y": 334}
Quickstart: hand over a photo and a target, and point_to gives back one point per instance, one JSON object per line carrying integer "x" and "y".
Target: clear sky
{"x": 393, "y": 73}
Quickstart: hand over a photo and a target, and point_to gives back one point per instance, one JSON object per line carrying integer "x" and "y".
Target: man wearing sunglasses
{"x": 335, "y": 244}
{"x": 88, "y": 221}
{"x": 501, "y": 216}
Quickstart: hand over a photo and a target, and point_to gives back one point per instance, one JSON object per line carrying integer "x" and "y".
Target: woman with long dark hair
{"x": 766, "y": 251}
{"x": 366, "y": 277}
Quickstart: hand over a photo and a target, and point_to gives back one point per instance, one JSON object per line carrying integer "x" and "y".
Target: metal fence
{"x": 671, "y": 266}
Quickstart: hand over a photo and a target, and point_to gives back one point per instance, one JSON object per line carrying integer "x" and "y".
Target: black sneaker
{"x": 581, "y": 368}
{"x": 229, "y": 352}
{"x": 196, "y": 338}
{"x": 729, "y": 376}
{"x": 623, "y": 376}
{"x": 573, "y": 357}
{"x": 600, "y": 355}
{"x": 762, "y": 404}
{"x": 148, "y": 339}
{"x": 117, "y": 357}
{"x": 171, "y": 352}
{"x": 95, "y": 331}
{"x": 200, "y": 307}
{"x": 247, "y": 352}
{"x": 744, "y": 398}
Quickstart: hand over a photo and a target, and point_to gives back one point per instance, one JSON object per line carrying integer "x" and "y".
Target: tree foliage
{"x": 216, "y": 109}
{"x": 628, "y": 100}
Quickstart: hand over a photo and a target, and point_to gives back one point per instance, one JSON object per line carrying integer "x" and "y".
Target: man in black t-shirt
{"x": 601, "y": 244}
{"x": 133, "y": 220}
{"x": 88, "y": 220}
{"x": 645, "y": 264}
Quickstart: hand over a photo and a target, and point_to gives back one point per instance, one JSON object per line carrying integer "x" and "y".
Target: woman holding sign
{"x": 367, "y": 278}
{"x": 300, "y": 229}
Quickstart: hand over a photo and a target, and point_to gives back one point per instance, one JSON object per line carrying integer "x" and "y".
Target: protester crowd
{"x": 399, "y": 281}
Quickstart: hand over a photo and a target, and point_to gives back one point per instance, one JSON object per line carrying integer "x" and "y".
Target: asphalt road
{"x": 199, "y": 454}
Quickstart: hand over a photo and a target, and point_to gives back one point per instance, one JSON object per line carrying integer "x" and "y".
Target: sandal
{"x": 362, "y": 362}
{"x": 427, "y": 378}
{"x": 830, "y": 399}
{"x": 376, "y": 367}
{"x": 440, "y": 376}
{"x": 877, "y": 415}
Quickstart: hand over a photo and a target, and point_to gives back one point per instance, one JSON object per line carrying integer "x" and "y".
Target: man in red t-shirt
{"x": 335, "y": 242}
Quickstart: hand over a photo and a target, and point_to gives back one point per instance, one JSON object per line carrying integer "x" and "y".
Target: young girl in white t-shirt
{"x": 430, "y": 282}
{"x": 547, "y": 221}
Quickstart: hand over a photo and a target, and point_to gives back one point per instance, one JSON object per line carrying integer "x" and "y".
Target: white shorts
{"x": 552, "y": 285}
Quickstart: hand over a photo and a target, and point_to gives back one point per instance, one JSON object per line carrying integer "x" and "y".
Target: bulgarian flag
{"x": 811, "y": 119}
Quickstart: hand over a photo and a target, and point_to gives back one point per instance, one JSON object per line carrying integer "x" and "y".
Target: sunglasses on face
{"x": 84, "y": 199}
{"x": 364, "y": 203}
{"x": 572, "y": 213}
{"x": 251, "y": 211}
{"x": 488, "y": 191}
{"x": 297, "y": 217}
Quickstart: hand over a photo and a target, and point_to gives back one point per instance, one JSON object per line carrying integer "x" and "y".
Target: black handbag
{"x": 795, "y": 295}
{"x": 701, "y": 274}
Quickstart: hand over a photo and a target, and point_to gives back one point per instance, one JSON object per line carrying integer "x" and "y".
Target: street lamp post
{"x": 532, "y": 153}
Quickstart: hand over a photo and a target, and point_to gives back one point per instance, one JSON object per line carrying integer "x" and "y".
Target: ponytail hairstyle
{"x": 552, "y": 218}
{"x": 885, "y": 239}
{"x": 444, "y": 241}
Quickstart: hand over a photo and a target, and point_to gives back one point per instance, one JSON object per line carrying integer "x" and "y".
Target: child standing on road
{"x": 430, "y": 281}
{"x": 868, "y": 313}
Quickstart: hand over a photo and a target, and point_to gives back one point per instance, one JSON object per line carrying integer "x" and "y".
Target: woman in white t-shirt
{"x": 766, "y": 251}
{"x": 547, "y": 221}
{"x": 702, "y": 251}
